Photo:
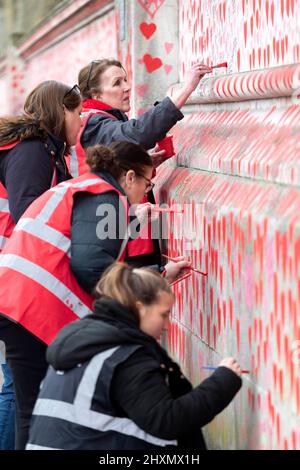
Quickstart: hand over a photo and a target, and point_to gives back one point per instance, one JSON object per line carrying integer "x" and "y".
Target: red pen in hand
{"x": 217, "y": 66}
{"x": 188, "y": 267}
{"x": 166, "y": 209}
{"x": 180, "y": 279}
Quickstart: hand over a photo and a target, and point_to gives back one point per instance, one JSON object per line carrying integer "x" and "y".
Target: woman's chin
{"x": 126, "y": 107}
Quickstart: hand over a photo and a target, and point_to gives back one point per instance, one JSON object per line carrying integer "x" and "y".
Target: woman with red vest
{"x": 58, "y": 251}
{"x": 106, "y": 93}
{"x": 32, "y": 159}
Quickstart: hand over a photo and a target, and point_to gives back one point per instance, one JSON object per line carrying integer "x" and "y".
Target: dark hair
{"x": 43, "y": 113}
{"x": 128, "y": 285}
{"x": 89, "y": 76}
{"x": 117, "y": 158}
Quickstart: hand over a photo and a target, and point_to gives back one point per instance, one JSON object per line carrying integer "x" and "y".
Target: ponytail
{"x": 128, "y": 285}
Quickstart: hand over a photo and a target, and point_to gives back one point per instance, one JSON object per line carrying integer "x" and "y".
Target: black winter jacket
{"x": 26, "y": 171}
{"x": 149, "y": 387}
{"x": 91, "y": 254}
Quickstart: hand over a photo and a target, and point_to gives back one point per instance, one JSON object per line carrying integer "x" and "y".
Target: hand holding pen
{"x": 189, "y": 267}
{"x": 176, "y": 270}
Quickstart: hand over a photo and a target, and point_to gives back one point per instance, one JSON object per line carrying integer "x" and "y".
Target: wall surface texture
{"x": 237, "y": 175}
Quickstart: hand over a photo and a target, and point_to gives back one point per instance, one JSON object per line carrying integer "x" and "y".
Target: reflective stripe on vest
{"x": 36, "y": 259}
{"x": 3, "y": 240}
{"x": 4, "y": 205}
{"x": 77, "y": 164}
{"x": 80, "y": 412}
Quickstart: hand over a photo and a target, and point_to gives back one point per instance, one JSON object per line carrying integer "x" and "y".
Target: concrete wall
{"x": 84, "y": 30}
{"x": 237, "y": 173}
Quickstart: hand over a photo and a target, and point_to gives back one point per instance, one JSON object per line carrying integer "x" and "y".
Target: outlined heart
{"x": 142, "y": 89}
{"x": 152, "y": 63}
{"x": 147, "y": 29}
{"x": 168, "y": 68}
{"x": 168, "y": 47}
{"x": 151, "y": 6}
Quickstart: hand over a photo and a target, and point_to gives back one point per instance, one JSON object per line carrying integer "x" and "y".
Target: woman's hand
{"x": 144, "y": 214}
{"x": 191, "y": 81}
{"x": 158, "y": 156}
{"x": 194, "y": 75}
{"x": 173, "y": 268}
{"x": 232, "y": 364}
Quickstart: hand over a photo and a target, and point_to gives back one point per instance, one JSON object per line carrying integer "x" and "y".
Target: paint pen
{"x": 188, "y": 267}
{"x": 217, "y": 66}
{"x": 180, "y": 279}
{"x": 167, "y": 210}
{"x": 244, "y": 371}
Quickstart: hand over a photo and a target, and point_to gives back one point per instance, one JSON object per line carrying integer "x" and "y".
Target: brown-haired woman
{"x": 32, "y": 159}
{"x": 111, "y": 386}
{"x": 128, "y": 168}
{"x": 106, "y": 99}
{"x": 56, "y": 255}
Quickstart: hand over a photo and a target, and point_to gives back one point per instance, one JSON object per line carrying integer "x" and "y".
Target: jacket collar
{"x": 109, "y": 309}
{"x": 56, "y": 145}
{"x": 111, "y": 180}
{"x": 101, "y": 106}
{"x": 95, "y": 104}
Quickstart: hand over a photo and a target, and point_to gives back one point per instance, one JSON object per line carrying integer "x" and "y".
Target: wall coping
{"x": 275, "y": 82}
{"x": 63, "y": 23}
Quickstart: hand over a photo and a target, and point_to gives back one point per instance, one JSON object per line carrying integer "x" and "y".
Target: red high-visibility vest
{"x": 37, "y": 287}
{"x": 78, "y": 166}
{"x": 7, "y": 223}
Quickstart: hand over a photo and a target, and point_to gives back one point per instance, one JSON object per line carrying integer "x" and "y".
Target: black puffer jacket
{"x": 26, "y": 171}
{"x": 148, "y": 387}
{"x": 92, "y": 254}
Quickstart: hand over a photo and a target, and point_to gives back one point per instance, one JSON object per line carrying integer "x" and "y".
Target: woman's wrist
{"x": 180, "y": 97}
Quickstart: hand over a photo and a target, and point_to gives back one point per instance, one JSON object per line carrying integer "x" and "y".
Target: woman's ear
{"x": 141, "y": 308}
{"x": 96, "y": 96}
{"x": 130, "y": 178}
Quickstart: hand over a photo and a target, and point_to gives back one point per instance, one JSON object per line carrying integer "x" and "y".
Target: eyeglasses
{"x": 74, "y": 88}
{"x": 149, "y": 186}
{"x": 90, "y": 72}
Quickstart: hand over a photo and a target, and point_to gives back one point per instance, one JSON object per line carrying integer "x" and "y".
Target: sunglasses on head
{"x": 90, "y": 72}
{"x": 74, "y": 88}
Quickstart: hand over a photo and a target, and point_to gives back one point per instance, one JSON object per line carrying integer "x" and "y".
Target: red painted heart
{"x": 142, "y": 89}
{"x": 168, "y": 47}
{"x": 147, "y": 29}
{"x": 152, "y": 63}
{"x": 151, "y": 6}
{"x": 168, "y": 69}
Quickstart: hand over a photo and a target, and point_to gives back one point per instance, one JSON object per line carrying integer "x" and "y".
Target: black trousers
{"x": 26, "y": 357}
